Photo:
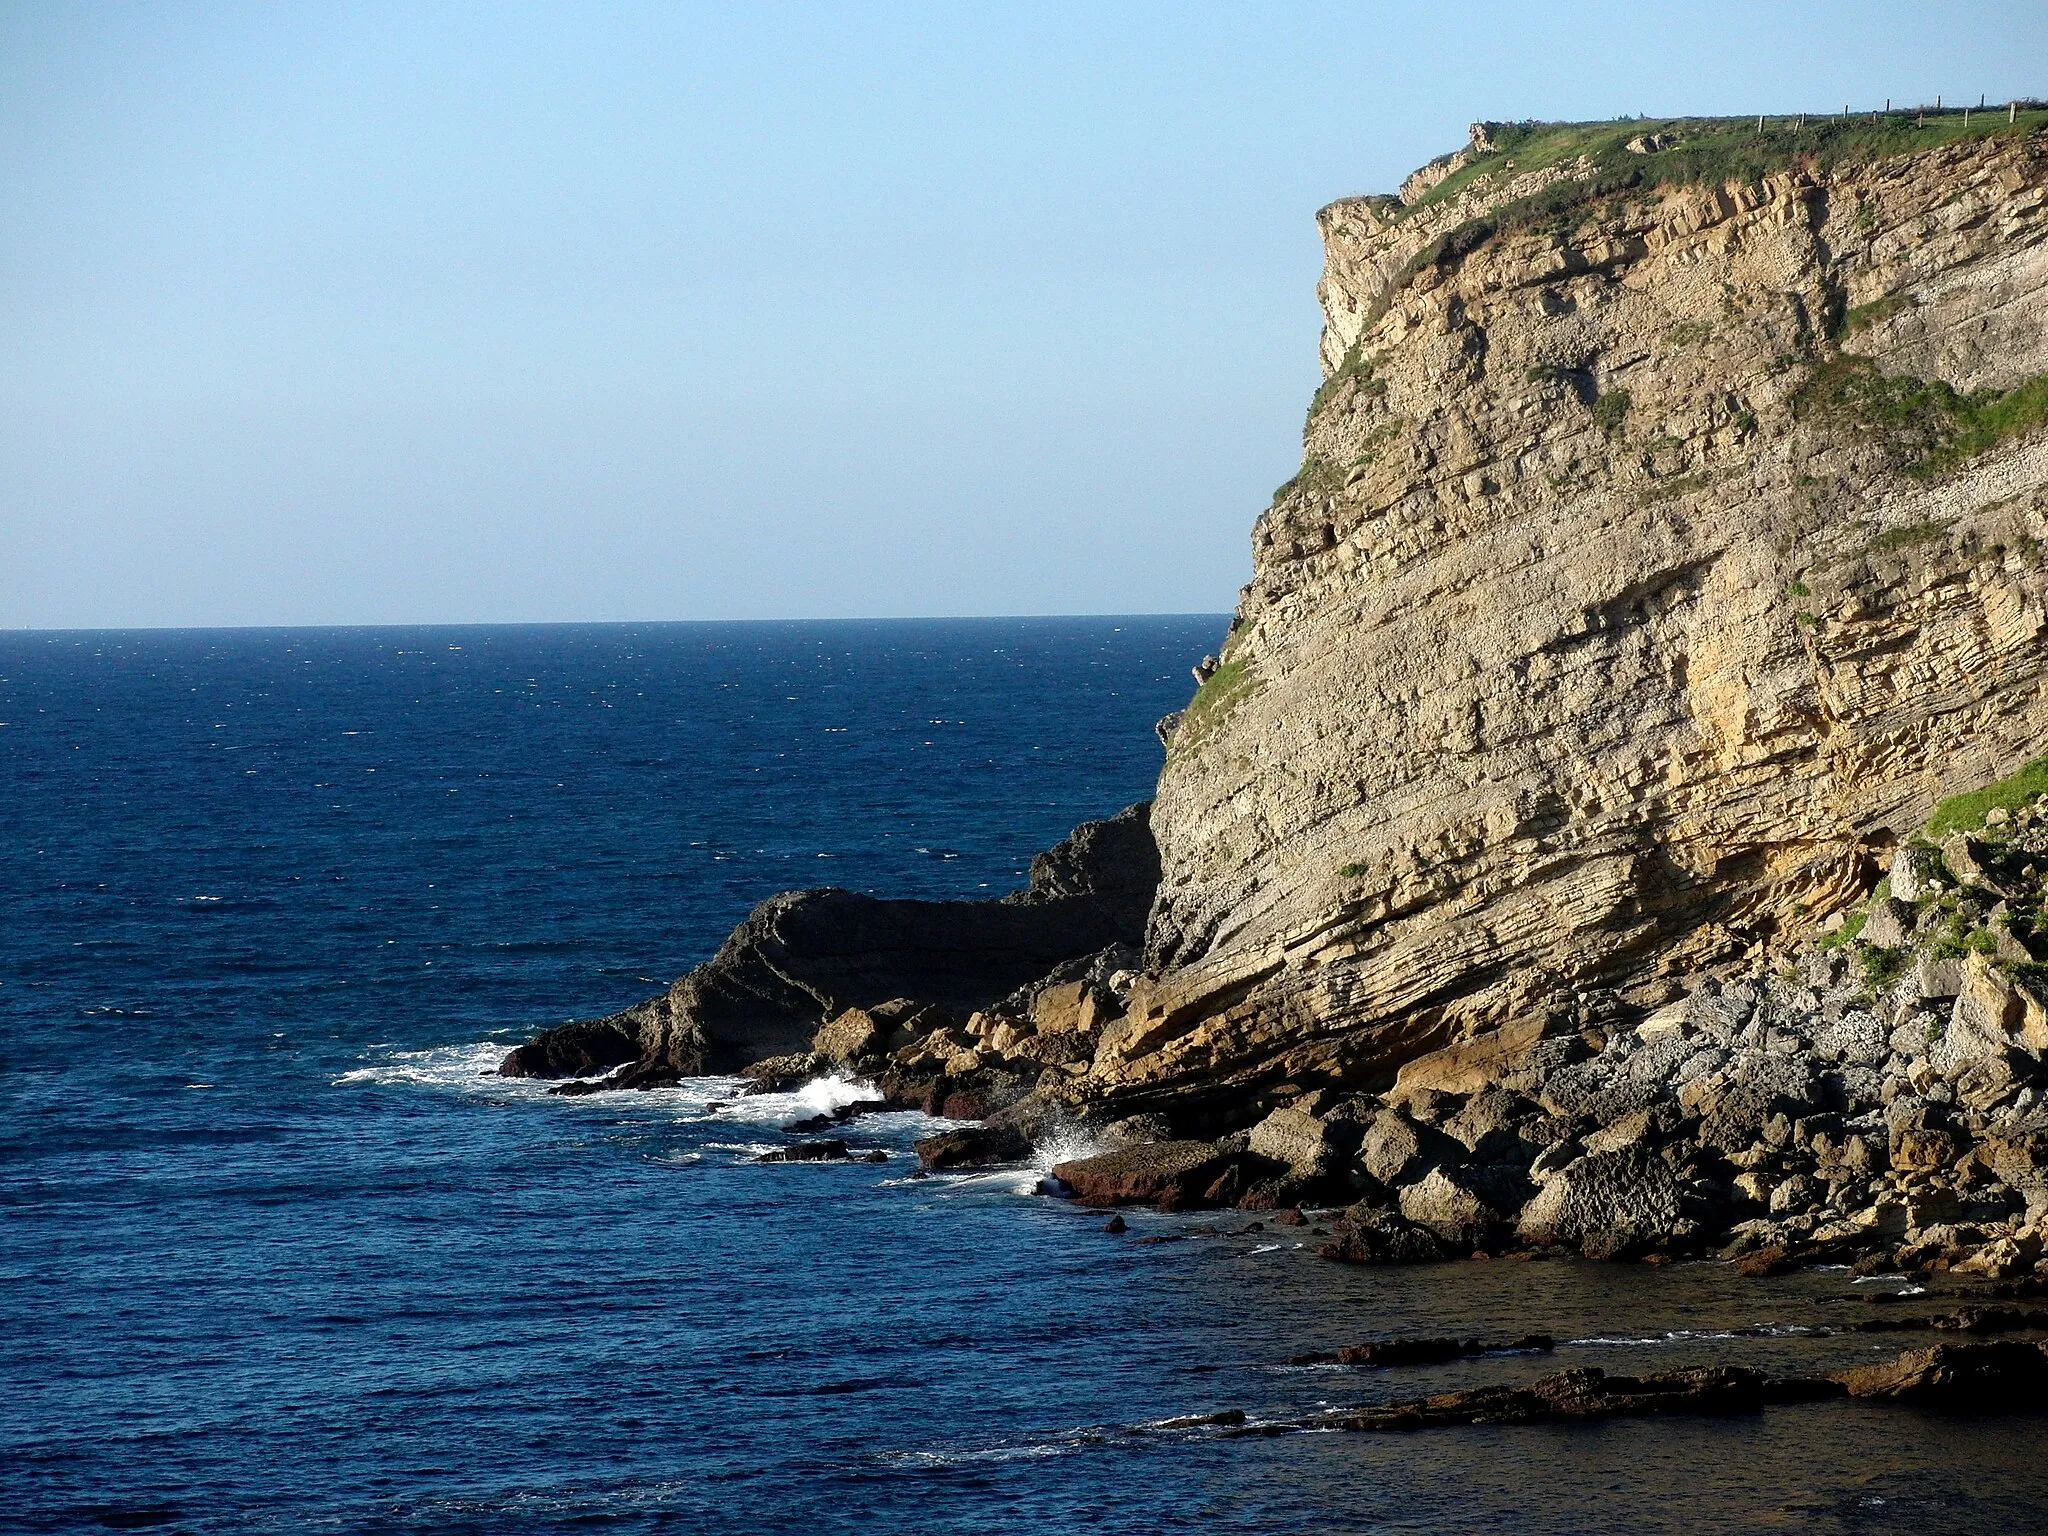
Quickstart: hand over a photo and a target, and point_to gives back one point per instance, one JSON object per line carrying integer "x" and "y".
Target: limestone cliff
{"x": 1667, "y": 542}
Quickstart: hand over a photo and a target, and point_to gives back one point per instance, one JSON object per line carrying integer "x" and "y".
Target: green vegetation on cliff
{"x": 1930, "y": 428}
{"x": 1701, "y": 150}
{"x": 1212, "y": 703}
{"x": 1966, "y": 812}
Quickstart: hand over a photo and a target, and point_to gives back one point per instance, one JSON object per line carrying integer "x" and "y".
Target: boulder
{"x": 1966, "y": 859}
{"x": 808, "y": 1152}
{"x": 2002, "y": 1257}
{"x": 1450, "y": 1208}
{"x": 852, "y": 1035}
{"x": 1598, "y": 1090}
{"x": 1923, "y": 1148}
{"x": 1372, "y": 1235}
{"x": 1937, "y": 976}
{"x": 1757, "y": 1086}
{"x": 1889, "y": 925}
{"x": 1070, "y": 1008}
{"x": 1916, "y": 871}
{"x": 1490, "y": 1127}
{"x": 1056, "y": 1050}
{"x": 1607, "y": 1203}
{"x": 1988, "y": 1015}
{"x": 584, "y": 1048}
{"x": 975, "y": 1146}
{"x": 1167, "y": 1172}
{"x": 1394, "y": 1150}
{"x": 1309, "y": 1147}
{"x": 2020, "y": 1158}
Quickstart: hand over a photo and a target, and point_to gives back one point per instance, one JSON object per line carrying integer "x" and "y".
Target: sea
{"x": 280, "y": 1253}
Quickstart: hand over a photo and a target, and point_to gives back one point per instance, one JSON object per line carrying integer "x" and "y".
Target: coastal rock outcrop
{"x": 804, "y": 957}
{"x": 1848, "y": 1102}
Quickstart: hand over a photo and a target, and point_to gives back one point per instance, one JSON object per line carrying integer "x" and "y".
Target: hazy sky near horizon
{"x": 418, "y": 313}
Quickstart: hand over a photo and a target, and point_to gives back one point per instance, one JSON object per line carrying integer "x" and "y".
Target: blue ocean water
{"x": 277, "y": 1255}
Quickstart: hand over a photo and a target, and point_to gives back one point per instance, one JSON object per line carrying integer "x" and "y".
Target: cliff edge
{"x": 1667, "y": 542}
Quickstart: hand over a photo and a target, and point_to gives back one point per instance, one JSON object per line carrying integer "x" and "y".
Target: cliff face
{"x": 1660, "y": 555}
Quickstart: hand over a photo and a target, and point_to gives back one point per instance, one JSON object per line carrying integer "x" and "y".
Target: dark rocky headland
{"x": 1613, "y": 822}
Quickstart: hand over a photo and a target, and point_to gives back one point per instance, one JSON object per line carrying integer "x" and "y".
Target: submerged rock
{"x": 1590, "y": 1393}
{"x": 1423, "y": 1351}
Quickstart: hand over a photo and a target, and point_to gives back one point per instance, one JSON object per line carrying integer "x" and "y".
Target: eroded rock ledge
{"x": 804, "y": 957}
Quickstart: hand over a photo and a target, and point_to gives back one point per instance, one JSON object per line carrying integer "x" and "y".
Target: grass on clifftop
{"x": 1720, "y": 149}
{"x": 1965, "y": 813}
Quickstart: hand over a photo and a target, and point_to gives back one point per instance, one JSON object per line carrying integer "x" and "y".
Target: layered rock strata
{"x": 1877, "y": 1097}
{"x": 1667, "y": 545}
{"x": 1635, "y": 598}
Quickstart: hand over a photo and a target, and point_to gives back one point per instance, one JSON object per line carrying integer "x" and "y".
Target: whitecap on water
{"x": 819, "y": 1096}
{"x": 472, "y": 1068}
{"x": 441, "y": 1066}
{"x": 1696, "y": 1335}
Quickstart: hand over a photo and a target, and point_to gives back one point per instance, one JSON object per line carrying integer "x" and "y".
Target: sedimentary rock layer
{"x": 1652, "y": 569}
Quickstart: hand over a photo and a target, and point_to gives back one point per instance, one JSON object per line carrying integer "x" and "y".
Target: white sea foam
{"x": 819, "y": 1096}
{"x": 442, "y": 1066}
{"x": 1067, "y": 1145}
{"x": 747, "y": 1149}
{"x": 472, "y": 1068}
{"x": 994, "y": 1453}
{"x": 1691, "y": 1335}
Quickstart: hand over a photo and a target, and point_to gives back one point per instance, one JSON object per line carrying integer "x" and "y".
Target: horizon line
{"x": 964, "y": 618}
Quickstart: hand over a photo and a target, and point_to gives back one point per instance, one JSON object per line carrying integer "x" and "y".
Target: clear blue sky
{"x": 368, "y": 314}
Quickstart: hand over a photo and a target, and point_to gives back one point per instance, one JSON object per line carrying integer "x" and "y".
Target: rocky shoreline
{"x": 1876, "y": 1098}
{"x": 1879, "y": 1100}
{"x": 1610, "y": 825}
